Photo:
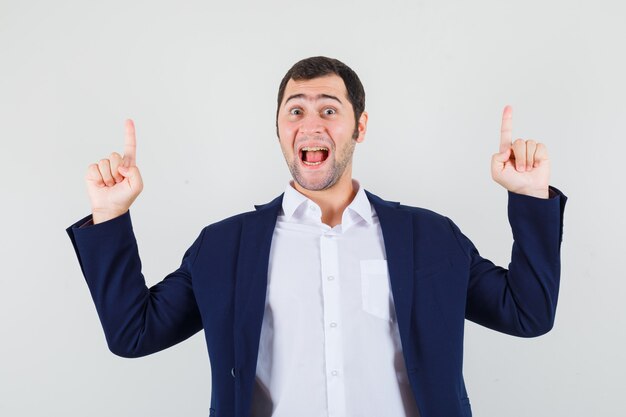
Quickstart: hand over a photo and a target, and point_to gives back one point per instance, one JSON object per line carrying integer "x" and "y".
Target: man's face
{"x": 316, "y": 127}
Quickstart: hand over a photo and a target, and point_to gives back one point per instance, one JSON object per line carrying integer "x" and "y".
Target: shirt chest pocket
{"x": 375, "y": 291}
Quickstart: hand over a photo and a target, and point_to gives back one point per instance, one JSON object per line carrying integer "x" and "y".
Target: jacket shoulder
{"x": 419, "y": 213}
{"x": 235, "y": 222}
{"x": 423, "y": 213}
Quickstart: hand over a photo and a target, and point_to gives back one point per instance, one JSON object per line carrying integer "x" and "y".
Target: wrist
{"x": 103, "y": 216}
{"x": 537, "y": 193}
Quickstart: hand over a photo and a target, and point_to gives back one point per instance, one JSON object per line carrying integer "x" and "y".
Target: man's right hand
{"x": 114, "y": 183}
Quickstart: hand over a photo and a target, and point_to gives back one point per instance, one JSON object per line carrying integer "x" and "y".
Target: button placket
{"x": 329, "y": 252}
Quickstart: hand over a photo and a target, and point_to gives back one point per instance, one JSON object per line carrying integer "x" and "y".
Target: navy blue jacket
{"x": 438, "y": 279}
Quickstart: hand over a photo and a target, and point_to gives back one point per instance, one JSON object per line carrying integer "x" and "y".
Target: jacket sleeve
{"x": 137, "y": 320}
{"x": 522, "y": 299}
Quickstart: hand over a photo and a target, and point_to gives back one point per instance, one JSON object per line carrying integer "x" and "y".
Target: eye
{"x": 329, "y": 111}
{"x": 295, "y": 111}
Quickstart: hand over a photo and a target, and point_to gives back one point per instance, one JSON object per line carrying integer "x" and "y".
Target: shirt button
{"x": 330, "y": 278}
{"x": 333, "y": 324}
{"x": 334, "y": 373}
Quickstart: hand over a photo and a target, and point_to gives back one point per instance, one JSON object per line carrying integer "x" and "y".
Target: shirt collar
{"x": 292, "y": 200}
{"x": 360, "y": 205}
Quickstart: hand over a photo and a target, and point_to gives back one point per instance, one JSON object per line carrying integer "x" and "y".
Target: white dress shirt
{"x": 329, "y": 340}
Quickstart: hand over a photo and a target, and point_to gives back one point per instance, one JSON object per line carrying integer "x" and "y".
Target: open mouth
{"x": 313, "y": 155}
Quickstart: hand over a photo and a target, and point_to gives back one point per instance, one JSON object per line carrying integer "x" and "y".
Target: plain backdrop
{"x": 200, "y": 80}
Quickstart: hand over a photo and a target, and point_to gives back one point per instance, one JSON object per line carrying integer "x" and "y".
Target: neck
{"x": 332, "y": 201}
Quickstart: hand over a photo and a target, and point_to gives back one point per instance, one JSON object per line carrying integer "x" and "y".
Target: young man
{"x": 327, "y": 301}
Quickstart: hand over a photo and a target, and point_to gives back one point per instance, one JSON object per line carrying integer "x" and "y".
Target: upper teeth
{"x": 314, "y": 148}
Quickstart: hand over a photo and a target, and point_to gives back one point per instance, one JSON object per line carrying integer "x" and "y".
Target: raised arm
{"x": 137, "y": 320}
{"x": 521, "y": 299}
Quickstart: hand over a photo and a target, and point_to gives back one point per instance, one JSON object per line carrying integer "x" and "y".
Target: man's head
{"x": 320, "y": 66}
{"x": 319, "y": 119}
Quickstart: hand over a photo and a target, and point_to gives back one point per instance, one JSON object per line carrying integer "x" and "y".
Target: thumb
{"x": 502, "y": 157}
{"x": 498, "y": 162}
{"x": 133, "y": 176}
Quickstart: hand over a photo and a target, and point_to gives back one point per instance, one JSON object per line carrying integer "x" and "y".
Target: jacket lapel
{"x": 250, "y": 291}
{"x": 397, "y": 228}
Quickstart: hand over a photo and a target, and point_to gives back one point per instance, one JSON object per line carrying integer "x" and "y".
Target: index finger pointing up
{"x": 506, "y": 131}
{"x": 130, "y": 144}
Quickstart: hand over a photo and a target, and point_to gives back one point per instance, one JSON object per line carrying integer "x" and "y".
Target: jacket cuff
{"x": 84, "y": 233}
{"x": 548, "y": 211}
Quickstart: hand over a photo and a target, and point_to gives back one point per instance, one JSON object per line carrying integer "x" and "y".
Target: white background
{"x": 200, "y": 80}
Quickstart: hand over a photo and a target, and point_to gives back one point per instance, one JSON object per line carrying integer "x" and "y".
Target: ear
{"x": 362, "y": 127}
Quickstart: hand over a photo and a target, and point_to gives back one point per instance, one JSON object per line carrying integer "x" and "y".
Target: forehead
{"x": 331, "y": 85}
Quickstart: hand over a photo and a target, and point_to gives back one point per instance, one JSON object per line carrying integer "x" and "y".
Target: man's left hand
{"x": 523, "y": 166}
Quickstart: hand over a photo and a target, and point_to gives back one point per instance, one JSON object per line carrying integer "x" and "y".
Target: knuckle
{"x": 106, "y": 174}
{"x": 92, "y": 171}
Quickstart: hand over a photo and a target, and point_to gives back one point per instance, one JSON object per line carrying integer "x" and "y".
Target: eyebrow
{"x": 317, "y": 97}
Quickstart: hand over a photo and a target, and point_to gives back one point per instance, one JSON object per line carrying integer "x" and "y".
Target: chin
{"x": 319, "y": 184}
{"x": 314, "y": 184}
{"x": 315, "y": 180}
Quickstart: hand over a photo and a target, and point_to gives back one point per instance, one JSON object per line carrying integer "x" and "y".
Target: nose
{"x": 312, "y": 124}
